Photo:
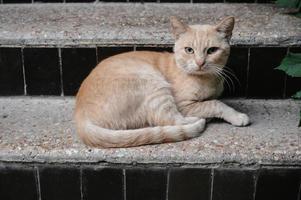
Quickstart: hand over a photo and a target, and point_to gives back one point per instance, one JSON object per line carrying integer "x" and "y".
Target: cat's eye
{"x": 211, "y": 50}
{"x": 189, "y": 50}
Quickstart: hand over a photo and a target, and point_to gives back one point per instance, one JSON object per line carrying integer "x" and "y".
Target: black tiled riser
{"x": 52, "y": 71}
{"x": 146, "y": 184}
{"x": 72, "y": 182}
{"x": 18, "y": 183}
{"x": 11, "y": 72}
{"x": 42, "y": 71}
{"x": 293, "y": 84}
{"x": 278, "y": 184}
{"x": 141, "y": 1}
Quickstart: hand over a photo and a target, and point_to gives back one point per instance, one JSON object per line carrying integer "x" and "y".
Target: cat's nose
{"x": 200, "y": 63}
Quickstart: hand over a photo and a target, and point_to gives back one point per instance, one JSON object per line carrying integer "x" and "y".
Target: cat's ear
{"x": 226, "y": 27}
{"x": 177, "y": 27}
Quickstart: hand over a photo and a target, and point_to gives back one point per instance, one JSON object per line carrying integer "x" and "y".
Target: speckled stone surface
{"x": 143, "y": 24}
{"x": 41, "y": 130}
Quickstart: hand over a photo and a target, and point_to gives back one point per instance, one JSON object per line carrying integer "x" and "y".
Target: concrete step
{"x": 117, "y": 24}
{"x": 137, "y": 1}
{"x": 41, "y": 130}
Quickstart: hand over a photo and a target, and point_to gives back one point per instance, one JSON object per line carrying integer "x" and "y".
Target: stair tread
{"x": 40, "y": 129}
{"x": 90, "y": 24}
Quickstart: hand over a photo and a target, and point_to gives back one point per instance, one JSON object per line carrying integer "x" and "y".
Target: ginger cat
{"x": 142, "y": 97}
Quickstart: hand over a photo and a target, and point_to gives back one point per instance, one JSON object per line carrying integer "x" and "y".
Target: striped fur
{"x": 140, "y": 98}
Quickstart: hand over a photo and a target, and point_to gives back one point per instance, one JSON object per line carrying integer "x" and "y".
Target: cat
{"x": 143, "y": 97}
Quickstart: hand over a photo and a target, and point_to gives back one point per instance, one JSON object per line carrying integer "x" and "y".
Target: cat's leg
{"x": 215, "y": 109}
{"x": 162, "y": 110}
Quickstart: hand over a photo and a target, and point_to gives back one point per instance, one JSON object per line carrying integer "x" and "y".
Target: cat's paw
{"x": 239, "y": 119}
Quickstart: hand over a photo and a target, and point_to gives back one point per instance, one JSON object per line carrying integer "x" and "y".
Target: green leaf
{"x": 297, "y": 95}
{"x": 291, "y": 65}
{"x": 288, "y": 3}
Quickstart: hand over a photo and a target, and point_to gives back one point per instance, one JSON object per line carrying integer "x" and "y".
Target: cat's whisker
{"x": 218, "y": 71}
{"x": 226, "y": 69}
{"x": 229, "y": 71}
{"x": 231, "y": 81}
{"x": 226, "y": 77}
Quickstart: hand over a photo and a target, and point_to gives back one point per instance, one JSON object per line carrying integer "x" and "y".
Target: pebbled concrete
{"x": 40, "y": 129}
{"x": 139, "y": 24}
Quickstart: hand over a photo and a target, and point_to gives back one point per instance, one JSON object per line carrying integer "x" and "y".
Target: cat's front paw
{"x": 240, "y": 119}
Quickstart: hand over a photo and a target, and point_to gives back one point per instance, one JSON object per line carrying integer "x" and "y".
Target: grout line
{"x": 299, "y": 192}
{"x": 124, "y": 184}
{"x": 255, "y": 183}
{"x": 96, "y": 54}
{"x": 248, "y": 73}
{"x": 61, "y": 71}
{"x": 37, "y": 174}
{"x": 212, "y": 180}
{"x": 23, "y": 71}
{"x": 81, "y": 183}
{"x": 167, "y": 183}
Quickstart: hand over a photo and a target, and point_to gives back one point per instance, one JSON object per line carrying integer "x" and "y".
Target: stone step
{"x": 42, "y": 158}
{"x": 68, "y": 40}
{"x": 137, "y": 1}
{"x": 41, "y": 130}
{"x": 117, "y": 24}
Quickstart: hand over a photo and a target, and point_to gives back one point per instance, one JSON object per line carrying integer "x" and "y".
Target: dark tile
{"x": 146, "y": 184}
{"x": 103, "y": 183}
{"x": 278, "y": 184}
{"x": 293, "y": 84}
{"x": 189, "y": 184}
{"x": 112, "y": 0}
{"x": 11, "y": 73}
{"x": 79, "y": 1}
{"x": 17, "y": 183}
{"x": 234, "y": 184}
{"x": 266, "y": 1}
{"x": 105, "y": 52}
{"x": 58, "y": 183}
{"x": 16, "y": 1}
{"x": 236, "y": 69}
{"x": 42, "y": 71}
{"x": 48, "y": 1}
{"x": 158, "y": 49}
{"x": 77, "y": 64}
{"x": 240, "y": 1}
{"x": 143, "y": 1}
{"x": 264, "y": 80}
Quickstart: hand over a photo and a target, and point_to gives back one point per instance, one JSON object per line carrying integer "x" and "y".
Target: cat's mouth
{"x": 204, "y": 70}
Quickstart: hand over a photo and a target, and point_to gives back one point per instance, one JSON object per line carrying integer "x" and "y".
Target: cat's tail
{"x": 96, "y": 136}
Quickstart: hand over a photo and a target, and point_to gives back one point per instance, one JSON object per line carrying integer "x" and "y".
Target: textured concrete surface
{"x": 40, "y": 129}
{"x": 128, "y": 24}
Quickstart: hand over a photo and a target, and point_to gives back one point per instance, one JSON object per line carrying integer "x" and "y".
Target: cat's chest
{"x": 198, "y": 90}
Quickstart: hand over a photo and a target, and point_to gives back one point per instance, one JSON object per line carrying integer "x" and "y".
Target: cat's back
{"x": 134, "y": 60}
{"x": 124, "y": 69}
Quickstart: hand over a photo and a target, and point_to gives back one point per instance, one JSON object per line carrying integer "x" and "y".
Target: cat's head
{"x": 202, "y": 49}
